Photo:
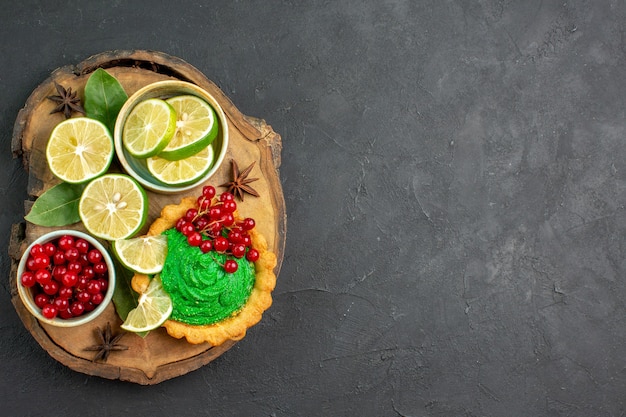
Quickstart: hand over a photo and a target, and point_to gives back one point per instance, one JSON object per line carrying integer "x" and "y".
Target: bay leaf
{"x": 58, "y": 206}
{"x": 104, "y": 97}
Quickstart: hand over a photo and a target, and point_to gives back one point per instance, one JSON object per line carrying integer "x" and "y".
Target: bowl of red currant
{"x": 66, "y": 278}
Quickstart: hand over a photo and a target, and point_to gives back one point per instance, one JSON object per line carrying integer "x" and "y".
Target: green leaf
{"x": 58, "y": 206}
{"x": 104, "y": 97}
{"x": 125, "y": 298}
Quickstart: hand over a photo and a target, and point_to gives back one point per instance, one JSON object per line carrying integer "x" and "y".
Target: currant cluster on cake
{"x": 212, "y": 227}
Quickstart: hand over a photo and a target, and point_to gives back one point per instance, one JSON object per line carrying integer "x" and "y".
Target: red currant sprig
{"x": 211, "y": 226}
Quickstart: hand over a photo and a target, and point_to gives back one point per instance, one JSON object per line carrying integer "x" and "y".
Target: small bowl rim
{"x": 26, "y": 295}
{"x": 144, "y": 93}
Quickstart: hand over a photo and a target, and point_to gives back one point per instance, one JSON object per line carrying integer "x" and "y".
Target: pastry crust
{"x": 234, "y": 327}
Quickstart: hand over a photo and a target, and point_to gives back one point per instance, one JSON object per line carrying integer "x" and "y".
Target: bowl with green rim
{"x": 93, "y": 308}
{"x": 137, "y": 167}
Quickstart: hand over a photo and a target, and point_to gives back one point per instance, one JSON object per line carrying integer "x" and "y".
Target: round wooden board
{"x": 158, "y": 356}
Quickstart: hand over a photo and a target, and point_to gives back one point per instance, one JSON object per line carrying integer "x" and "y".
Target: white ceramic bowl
{"x": 136, "y": 168}
{"x": 26, "y": 294}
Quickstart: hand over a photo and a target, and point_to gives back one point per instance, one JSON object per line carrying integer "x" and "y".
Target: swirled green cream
{"x": 201, "y": 292}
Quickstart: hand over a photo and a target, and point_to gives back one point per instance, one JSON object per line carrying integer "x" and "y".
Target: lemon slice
{"x": 181, "y": 172}
{"x": 145, "y": 255}
{"x": 79, "y": 149}
{"x": 113, "y": 206}
{"x": 148, "y": 128}
{"x": 196, "y": 127}
{"x": 154, "y": 307}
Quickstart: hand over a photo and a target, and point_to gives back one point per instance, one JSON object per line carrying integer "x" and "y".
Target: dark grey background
{"x": 455, "y": 181}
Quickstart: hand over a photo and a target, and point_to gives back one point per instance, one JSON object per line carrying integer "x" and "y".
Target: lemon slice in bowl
{"x": 153, "y": 309}
{"x": 149, "y": 128}
{"x": 113, "y": 206}
{"x": 196, "y": 127}
{"x": 144, "y": 255}
{"x": 181, "y": 172}
{"x": 79, "y": 149}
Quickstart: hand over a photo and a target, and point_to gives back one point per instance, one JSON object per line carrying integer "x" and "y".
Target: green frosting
{"x": 202, "y": 293}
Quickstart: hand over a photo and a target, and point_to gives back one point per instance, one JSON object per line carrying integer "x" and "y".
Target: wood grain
{"x": 157, "y": 357}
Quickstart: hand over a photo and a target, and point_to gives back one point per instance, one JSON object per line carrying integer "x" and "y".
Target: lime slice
{"x": 145, "y": 255}
{"x": 184, "y": 171}
{"x": 154, "y": 307}
{"x": 79, "y": 149}
{"x": 148, "y": 128}
{"x": 113, "y": 206}
{"x": 196, "y": 127}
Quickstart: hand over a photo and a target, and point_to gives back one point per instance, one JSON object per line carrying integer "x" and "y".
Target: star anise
{"x": 239, "y": 185}
{"x": 67, "y": 101}
{"x": 108, "y": 344}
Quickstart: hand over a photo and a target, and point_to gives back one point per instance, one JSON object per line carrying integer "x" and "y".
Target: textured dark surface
{"x": 455, "y": 180}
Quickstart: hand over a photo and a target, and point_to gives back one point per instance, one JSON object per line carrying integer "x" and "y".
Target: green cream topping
{"x": 202, "y": 293}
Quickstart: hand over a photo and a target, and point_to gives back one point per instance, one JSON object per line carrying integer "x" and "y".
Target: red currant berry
{"x": 94, "y": 287}
{"x": 41, "y": 261}
{"x": 82, "y": 245}
{"x": 179, "y": 223}
{"x": 220, "y": 244}
{"x": 239, "y": 250}
{"x": 230, "y": 266}
{"x": 58, "y": 272}
{"x": 234, "y": 236}
{"x": 245, "y": 239}
{"x": 49, "y": 311}
{"x": 100, "y": 268}
{"x": 206, "y": 246}
{"x": 82, "y": 282}
{"x": 104, "y": 284}
{"x": 89, "y": 272}
{"x": 228, "y": 219}
{"x": 41, "y": 300}
{"x": 66, "y": 242}
{"x": 43, "y": 276}
{"x": 252, "y": 255}
{"x": 83, "y": 296}
{"x": 66, "y": 292}
{"x": 208, "y": 191}
{"x": 227, "y": 197}
{"x": 72, "y": 254}
{"x": 50, "y": 288}
{"x": 69, "y": 279}
{"x": 49, "y": 249}
{"x": 191, "y": 214}
{"x": 89, "y": 307}
{"x": 75, "y": 267}
{"x": 97, "y": 299}
{"x": 229, "y": 206}
{"x": 248, "y": 223}
{"x": 65, "y": 314}
{"x": 203, "y": 203}
{"x": 30, "y": 263}
{"x": 28, "y": 279}
{"x": 94, "y": 256}
{"x": 215, "y": 213}
{"x": 194, "y": 239}
{"x": 188, "y": 229}
{"x": 77, "y": 308}
{"x": 58, "y": 258}
{"x": 202, "y": 222}
{"x": 37, "y": 249}
{"x": 61, "y": 303}
{"x": 83, "y": 259}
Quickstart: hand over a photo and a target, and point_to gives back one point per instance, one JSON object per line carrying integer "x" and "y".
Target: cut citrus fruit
{"x": 196, "y": 127}
{"x": 153, "y": 308}
{"x": 79, "y": 149}
{"x": 184, "y": 171}
{"x": 149, "y": 128}
{"x": 113, "y": 206}
{"x": 145, "y": 255}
